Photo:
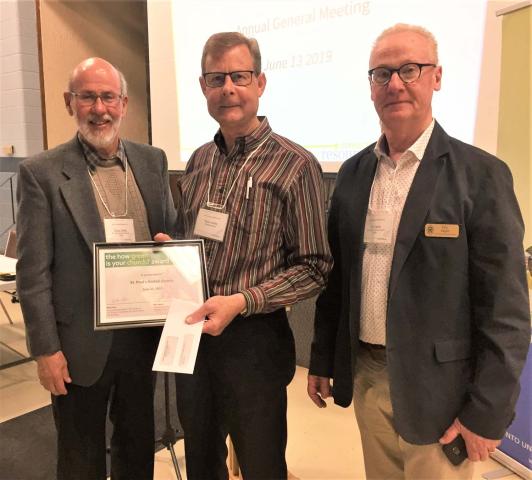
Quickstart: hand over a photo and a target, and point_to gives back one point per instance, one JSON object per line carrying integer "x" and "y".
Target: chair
{"x": 11, "y": 252}
{"x": 11, "y": 244}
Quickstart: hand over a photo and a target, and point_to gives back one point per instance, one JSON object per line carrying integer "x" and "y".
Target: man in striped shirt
{"x": 257, "y": 200}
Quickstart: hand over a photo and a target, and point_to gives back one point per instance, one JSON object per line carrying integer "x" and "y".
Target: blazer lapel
{"x": 418, "y": 202}
{"x": 149, "y": 184}
{"x": 359, "y": 197}
{"x": 357, "y": 191}
{"x": 79, "y": 196}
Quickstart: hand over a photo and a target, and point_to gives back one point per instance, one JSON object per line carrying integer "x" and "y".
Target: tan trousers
{"x": 386, "y": 455}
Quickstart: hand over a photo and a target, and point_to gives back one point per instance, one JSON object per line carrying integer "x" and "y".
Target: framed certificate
{"x": 134, "y": 283}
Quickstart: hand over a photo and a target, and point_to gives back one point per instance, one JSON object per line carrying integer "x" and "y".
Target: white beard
{"x": 100, "y": 140}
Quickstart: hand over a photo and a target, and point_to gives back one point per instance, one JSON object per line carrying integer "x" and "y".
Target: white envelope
{"x": 178, "y": 347}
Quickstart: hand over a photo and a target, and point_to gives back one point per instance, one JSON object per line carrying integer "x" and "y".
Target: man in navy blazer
{"x": 425, "y": 320}
{"x": 69, "y": 198}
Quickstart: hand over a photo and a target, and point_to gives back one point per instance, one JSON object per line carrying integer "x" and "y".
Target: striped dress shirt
{"x": 275, "y": 250}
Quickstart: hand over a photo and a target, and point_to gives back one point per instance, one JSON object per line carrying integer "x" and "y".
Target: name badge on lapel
{"x": 442, "y": 230}
{"x": 211, "y": 224}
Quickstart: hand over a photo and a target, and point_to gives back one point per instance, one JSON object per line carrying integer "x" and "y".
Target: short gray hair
{"x": 405, "y": 27}
{"x": 123, "y": 82}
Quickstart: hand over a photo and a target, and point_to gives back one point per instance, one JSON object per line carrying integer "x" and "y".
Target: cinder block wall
{"x": 20, "y": 99}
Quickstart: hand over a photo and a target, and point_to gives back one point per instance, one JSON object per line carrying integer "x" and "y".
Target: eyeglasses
{"x": 87, "y": 99}
{"x": 408, "y": 73}
{"x": 217, "y": 79}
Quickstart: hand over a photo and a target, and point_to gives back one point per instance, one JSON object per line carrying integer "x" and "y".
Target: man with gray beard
{"x": 70, "y": 197}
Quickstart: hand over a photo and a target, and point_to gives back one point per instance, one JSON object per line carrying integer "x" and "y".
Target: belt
{"x": 372, "y": 346}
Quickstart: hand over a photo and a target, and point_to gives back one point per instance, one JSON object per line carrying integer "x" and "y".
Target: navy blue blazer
{"x": 458, "y": 320}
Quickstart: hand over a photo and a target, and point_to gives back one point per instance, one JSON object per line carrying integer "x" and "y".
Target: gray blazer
{"x": 458, "y": 322}
{"x": 57, "y": 224}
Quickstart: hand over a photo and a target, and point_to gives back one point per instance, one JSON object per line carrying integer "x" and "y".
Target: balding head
{"x": 92, "y": 66}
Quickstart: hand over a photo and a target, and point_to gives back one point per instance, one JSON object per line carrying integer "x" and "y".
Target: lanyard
{"x": 218, "y": 206}
{"x": 113, "y": 215}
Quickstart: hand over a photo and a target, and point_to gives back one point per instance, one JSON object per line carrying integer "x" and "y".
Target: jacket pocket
{"x": 64, "y": 314}
{"x": 451, "y": 350}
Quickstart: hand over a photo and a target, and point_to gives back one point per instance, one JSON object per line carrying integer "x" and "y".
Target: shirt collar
{"x": 94, "y": 160}
{"x": 417, "y": 149}
{"x": 248, "y": 142}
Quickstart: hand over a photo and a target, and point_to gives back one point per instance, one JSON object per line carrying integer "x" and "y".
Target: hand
{"x": 478, "y": 448}
{"x": 53, "y": 372}
{"x": 219, "y": 311}
{"x": 319, "y": 388}
{"x": 162, "y": 237}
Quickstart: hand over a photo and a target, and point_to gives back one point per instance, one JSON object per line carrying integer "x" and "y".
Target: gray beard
{"x": 99, "y": 140}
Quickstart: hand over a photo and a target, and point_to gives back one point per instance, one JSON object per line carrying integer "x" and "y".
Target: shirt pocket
{"x": 260, "y": 213}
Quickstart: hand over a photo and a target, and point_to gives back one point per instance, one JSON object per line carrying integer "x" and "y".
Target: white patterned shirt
{"x": 389, "y": 191}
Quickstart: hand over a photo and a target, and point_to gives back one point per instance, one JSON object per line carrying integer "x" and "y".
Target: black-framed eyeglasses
{"x": 241, "y": 78}
{"x": 408, "y": 73}
{"x": 87, "y": 99}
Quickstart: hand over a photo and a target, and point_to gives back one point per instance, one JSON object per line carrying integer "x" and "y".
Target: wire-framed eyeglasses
{"x": 241, "y": 78}
{"x": 87, "y": 99}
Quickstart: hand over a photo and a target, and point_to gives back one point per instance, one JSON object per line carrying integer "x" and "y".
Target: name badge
{"x": 211, "y": 224}
{"x": 442, "y": 230}
{"x": 119, "y": 230}
{"x": 379, "y": 227}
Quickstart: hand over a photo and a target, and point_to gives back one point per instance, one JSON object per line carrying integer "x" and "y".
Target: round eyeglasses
{"x": 408, "y": 73}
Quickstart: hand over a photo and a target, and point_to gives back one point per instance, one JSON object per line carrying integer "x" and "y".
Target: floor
{"x": 322, "y": 443}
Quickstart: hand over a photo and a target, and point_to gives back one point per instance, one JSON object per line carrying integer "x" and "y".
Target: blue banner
{"x": 517, "y": 441}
